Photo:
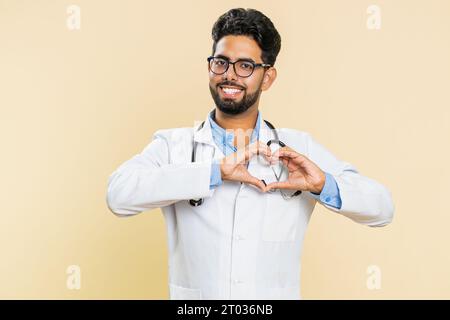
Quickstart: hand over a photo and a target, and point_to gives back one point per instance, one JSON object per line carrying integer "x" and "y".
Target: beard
{"x": 230, "y": 106}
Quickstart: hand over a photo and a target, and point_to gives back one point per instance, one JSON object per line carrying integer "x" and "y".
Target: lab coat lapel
{"x": 206, "y": 147}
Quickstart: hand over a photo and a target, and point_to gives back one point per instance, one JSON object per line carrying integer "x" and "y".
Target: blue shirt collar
{"x": 224, "y": 139}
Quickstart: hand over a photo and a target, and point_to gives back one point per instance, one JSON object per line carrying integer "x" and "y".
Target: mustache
{"x": 231, "y": 84}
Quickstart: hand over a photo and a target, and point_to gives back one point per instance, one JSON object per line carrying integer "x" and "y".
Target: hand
{"x": 304, "y": 174}
{"x": 233, "y": 167}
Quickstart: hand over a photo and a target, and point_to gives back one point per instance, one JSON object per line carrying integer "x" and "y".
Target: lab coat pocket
{"x": 182, "y": 293}
{"x": 281, "y": 217}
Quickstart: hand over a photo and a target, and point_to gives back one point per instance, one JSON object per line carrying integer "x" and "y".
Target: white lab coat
{"x": 240, "y": 243}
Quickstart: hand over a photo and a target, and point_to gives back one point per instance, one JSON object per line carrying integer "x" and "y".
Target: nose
{"x": 230, "y": 74}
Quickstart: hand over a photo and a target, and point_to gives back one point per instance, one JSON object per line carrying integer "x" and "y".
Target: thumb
{"x": 278, "y": 185}
{"x": 257, "y": 183}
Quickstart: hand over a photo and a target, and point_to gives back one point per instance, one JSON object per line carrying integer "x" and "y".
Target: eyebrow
{"x": 242, "y": 59}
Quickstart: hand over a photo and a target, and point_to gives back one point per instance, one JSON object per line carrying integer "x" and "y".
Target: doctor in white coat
{"x": 237, "y": 193}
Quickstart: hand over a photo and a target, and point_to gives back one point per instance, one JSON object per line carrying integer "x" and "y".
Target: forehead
{"x": 237, "y": 47}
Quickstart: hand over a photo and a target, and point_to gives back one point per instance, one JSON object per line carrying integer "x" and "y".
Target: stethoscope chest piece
{"x": 196, "y": 202}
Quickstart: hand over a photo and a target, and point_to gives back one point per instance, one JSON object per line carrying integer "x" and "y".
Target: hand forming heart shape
{"x": 303, "y": 173}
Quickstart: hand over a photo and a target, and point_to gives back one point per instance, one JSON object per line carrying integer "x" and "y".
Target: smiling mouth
{"x": 230, "y": 92}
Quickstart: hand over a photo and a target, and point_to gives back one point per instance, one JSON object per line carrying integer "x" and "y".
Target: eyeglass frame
{"x": 255, "y": 65}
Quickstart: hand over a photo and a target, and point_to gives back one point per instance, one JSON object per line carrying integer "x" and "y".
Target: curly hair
{"x": 251, "y": 23}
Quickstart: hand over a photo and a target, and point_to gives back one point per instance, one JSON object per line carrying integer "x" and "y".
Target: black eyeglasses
{"x": 242, "y": 67}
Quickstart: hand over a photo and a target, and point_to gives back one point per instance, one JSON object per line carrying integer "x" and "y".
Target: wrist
{"x": 317, "y": 189}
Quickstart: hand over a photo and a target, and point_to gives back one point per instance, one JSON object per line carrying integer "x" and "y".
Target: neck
{"x": 245, "y": 121}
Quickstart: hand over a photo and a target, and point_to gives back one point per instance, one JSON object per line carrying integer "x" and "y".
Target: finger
{"x": 285, "y": 161}
{"x": 268, "y": 157}
{"x": 257, "y": 183}
{"x": 258, "y": 148}
{"x": 262, "y": 148}
{"x": 276, "y": 154}
{"x": 279, "y": 185}
{"x": 279, "y": 152}
{"x": 287, "y": 154}
{"x": 276, "y": 158}
{"x": 267, "y": 152}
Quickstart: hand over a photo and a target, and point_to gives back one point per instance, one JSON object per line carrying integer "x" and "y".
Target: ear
{"x": 269, "y": 77}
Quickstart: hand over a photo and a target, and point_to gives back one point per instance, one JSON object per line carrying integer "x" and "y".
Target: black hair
{"x": 251, "y": 23}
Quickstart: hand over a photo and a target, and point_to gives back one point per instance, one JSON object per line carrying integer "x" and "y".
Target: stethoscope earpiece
{"x": 280, "y": 143}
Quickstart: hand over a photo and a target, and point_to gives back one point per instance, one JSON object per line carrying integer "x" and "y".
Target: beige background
{"x": 77, "y": 104}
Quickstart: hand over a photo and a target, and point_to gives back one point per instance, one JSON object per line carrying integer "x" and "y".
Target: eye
{"x": 219, "y": 62}
{"x": 246, "y": 65}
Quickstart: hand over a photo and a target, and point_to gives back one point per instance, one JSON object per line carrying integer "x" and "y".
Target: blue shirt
{"x": 224, "y": 140}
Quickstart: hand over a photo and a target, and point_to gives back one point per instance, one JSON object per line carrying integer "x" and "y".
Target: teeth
{"x": 231, "y": 91}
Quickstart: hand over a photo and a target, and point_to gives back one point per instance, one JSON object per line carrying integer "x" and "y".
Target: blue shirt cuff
{"x": 330, "y": 192}
{"x": 216, "y": 177}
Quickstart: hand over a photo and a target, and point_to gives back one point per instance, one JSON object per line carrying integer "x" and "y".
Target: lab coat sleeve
{"x": 149, "y": 180}
{"x": 364, "y": 200}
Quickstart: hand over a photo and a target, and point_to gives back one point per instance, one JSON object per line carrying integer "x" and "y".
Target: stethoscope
{"x": 197, "y": 202}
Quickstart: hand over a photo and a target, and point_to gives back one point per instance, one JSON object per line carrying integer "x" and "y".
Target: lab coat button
{"x": 238, "y": 237}
{"x": 237, "y": 281}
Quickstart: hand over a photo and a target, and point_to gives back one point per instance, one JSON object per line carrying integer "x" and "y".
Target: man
{"x": 237, "y": 209}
